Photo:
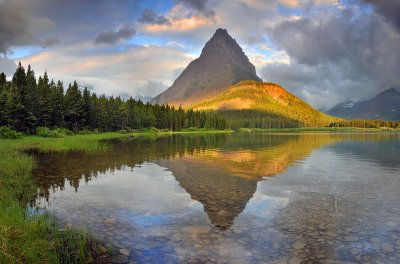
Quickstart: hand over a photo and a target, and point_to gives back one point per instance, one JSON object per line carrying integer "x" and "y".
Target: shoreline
{"x": 305, "y": 130}
{"x": 37, "y": 238}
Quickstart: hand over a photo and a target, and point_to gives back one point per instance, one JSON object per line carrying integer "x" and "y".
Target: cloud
{"x": 181, "y": 25}
{"x": 18, "y": 28}
{"x": 389, "y": 9}
{"x": 299, "y": 3}
{"x": 337, "y": 54}
{"x": 14, "y": 28}
{"x": 74, "y": 21}
{"x": 112, "y": 37}
{"x": 186, "y": 16}
{"x": 152, "y": 87}
{"x": 112, "y": 73}
{"x": 150, "y": 17}
{"x": 7, "y": 66}
{"x": 50, "y": 42}
{"x": 199, "y": 6}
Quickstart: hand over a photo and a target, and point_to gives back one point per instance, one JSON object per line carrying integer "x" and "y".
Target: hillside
{"x": 265, "y": 98}
{"x": 384, "y": 106}
{"x": 221, "y": 64}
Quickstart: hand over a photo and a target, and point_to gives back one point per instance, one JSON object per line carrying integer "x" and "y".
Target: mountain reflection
{"x": 220, "y": 171}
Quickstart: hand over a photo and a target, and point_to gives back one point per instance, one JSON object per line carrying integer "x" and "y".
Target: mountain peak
{"x": 221, "y": 31}
{"x": 392, "y": 90}
{"x": 221, "y": 64}
{"x": 385, "y": 105}
{"x": 223, "y": 44}
{"x": 388, "y": 93}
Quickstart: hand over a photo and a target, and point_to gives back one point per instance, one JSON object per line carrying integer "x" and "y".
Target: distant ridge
{"x": 384, "y": 106}
{"x": 221, "y": 64}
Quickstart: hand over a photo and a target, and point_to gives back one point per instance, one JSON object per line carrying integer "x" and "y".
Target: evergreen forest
{"x": 28, "y": 103}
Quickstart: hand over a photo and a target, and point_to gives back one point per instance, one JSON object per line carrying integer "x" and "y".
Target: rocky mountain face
{"x": 221, "y": 64}
{"x": 384, "y": 106}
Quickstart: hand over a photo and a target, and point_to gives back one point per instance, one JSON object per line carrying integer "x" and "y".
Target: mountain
{"x": 142, "y": 98}
{"x": 221, "y": 64}
{"x": 265, "y": 98}
{"x": 384, "y": 106}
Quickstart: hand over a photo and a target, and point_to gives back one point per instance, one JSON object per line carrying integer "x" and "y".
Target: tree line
{"x": 366, "y": 124}
{"x": 252, "y": 118}
{"x": 27, "y": 103}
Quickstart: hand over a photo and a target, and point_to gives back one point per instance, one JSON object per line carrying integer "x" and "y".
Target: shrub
{"x": 7, "y": 133}
{"x": 192, "y": 129}
{"x": 153, "y": 129}
{"x": 45, "y": 132}
{"x": 85, "y": 132}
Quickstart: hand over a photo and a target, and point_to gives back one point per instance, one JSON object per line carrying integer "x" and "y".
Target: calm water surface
{"x": 239, "y": 198}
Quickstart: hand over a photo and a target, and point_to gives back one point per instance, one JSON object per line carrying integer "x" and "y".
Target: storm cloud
{"x": 151, "y": 17}
{"x": 50, "y": 42}
{"x": 200, "y": 6}
{"x": 336, "y": 55}
{"x": 389, "y": 9}
{"x": 14, "y": 28}
{"x": 112, "y": 37}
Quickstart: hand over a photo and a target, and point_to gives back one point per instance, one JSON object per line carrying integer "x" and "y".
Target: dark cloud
{"x": 340, "y": 54}
{"x": 112, "y": 37}
{"x": 77, "y": 20}
{"x": 50, "y": 42}
{"x": 14, "y": 28}
{"x": 200, "y": 6}
{"x": 18, "y": 28}
{"x": 150, "y": 17}
{"x": 390, "y": 9}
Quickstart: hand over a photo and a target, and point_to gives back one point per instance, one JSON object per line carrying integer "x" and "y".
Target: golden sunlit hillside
{"x": 269, "y": 98}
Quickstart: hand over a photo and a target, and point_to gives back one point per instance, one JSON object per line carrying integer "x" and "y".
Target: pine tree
{"x": 19, "y": 115}
{"x": 3, "y": 80}
{"x": 32, "y": 104}
{"x": 3, "y": 100}
{"x": 73, "y": 108}
{"x": 87, "y": 111}
{"x": 4, "y": 111}
{"x": 45, "y": 101}
{"x": 57, "y": 114}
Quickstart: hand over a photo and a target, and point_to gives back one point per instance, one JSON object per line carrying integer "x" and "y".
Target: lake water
{"x": 234, "y": 198}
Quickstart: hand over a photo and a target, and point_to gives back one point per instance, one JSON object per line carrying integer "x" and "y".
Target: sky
{"x": 323, "y": 51}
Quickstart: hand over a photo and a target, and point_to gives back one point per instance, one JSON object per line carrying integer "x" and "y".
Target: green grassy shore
{"x": 36, "y": 238}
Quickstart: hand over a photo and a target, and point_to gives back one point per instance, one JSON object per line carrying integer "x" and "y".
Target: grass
{"x": 36, "y": 238}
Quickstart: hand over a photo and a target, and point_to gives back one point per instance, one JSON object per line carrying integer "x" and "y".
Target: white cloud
{"x": 112, "y": 73}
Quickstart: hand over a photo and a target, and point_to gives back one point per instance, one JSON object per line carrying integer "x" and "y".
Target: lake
{"x": 234, "y": 198}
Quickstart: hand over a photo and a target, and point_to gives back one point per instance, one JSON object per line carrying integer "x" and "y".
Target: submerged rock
{"x": 196, "y": 229}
